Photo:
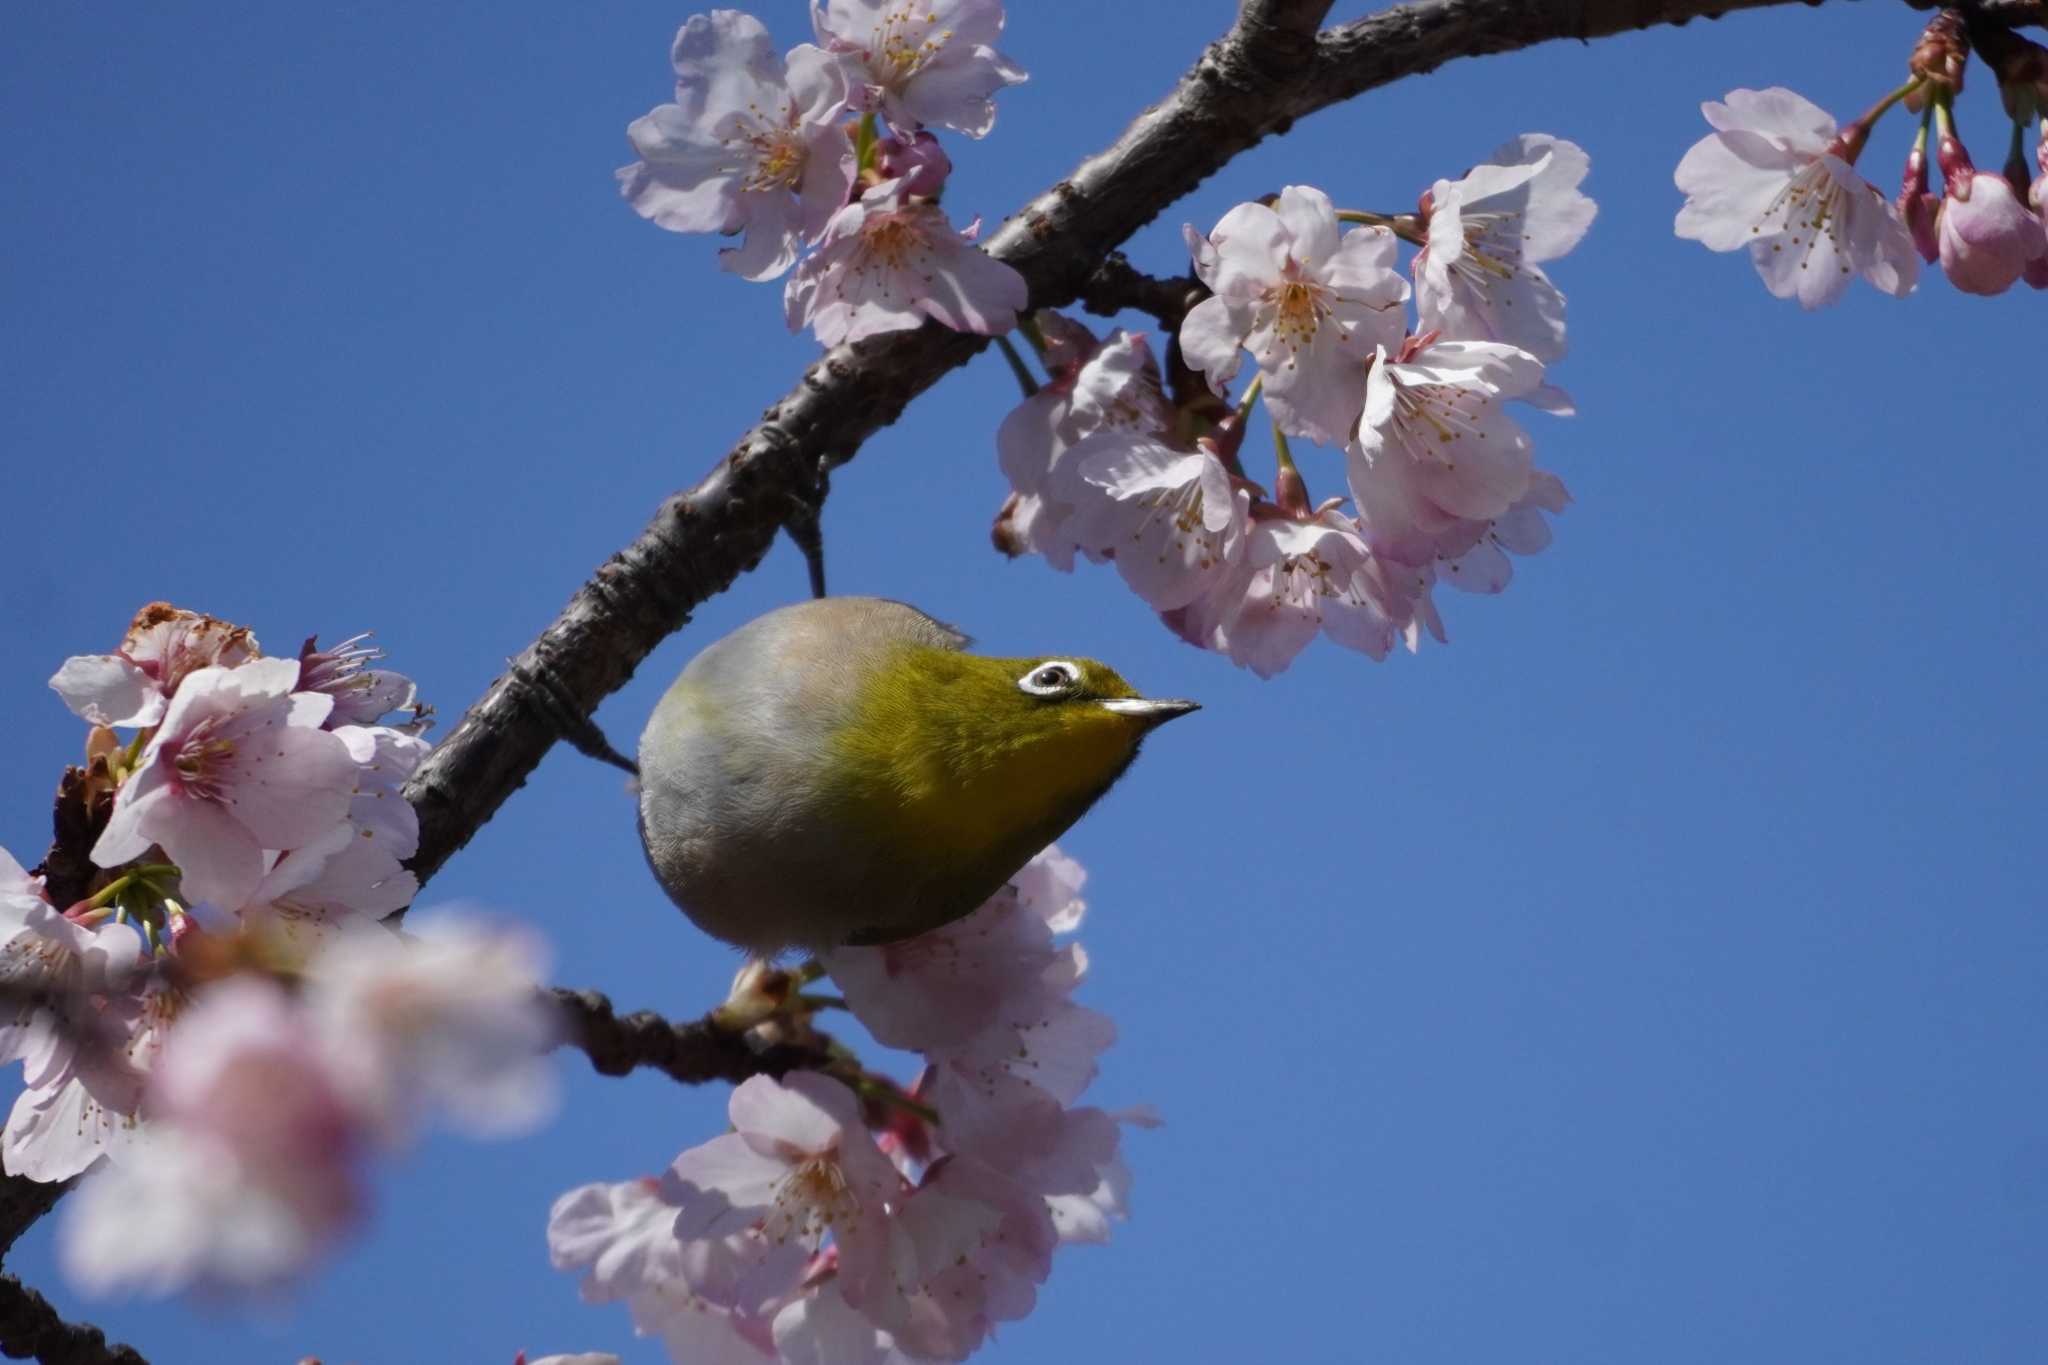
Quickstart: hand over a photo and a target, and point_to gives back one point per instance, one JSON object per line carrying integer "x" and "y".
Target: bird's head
{"x": 982, "y": 744}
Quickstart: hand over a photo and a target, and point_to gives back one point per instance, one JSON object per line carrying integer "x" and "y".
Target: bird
{"x": 842, "y": 772}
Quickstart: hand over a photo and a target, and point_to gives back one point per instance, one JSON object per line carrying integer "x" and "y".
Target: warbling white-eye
{"x": 840, "y": 771}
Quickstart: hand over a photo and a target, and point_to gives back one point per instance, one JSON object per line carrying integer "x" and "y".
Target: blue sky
{"x": 1654, "y": 974}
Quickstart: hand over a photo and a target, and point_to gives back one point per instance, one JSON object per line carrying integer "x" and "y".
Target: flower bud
{"x": 920, "y": 163}
{"x": 1938, "y": 59}
{"x": 1919, "y": 208}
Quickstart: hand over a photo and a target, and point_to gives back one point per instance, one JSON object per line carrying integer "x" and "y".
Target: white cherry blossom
{"x": 1309, "y": 304}
{"x": 1776, "y": 178}
{"x": 1478, "y": 277}
{"x": 919, "y": 62}
{"x": 748, "y": 146}
{"x": 887, "y": 262}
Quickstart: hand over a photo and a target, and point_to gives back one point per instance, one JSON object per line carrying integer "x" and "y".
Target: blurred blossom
{"x": 445, "y": 1019}
{"x": 248, "y": 1171}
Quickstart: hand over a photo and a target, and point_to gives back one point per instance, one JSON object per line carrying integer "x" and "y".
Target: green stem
{"x": 1017, "y": 367}
{"x": 1251, "y": 396}
{"x": 1027, "y": 323}
{"x": 1283, "y": 456}
{"x": 822, "y": 1002}
{"x": 864, "y": 145}
{"x": 1405, "y": 226}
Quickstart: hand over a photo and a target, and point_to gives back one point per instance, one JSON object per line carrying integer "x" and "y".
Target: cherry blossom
{"x": 1988, "y": 234}
{"x": 1436, "y": 445}
{"x": 748, "y": 146}
{"x": 919, "y": 62}
{"x": 995, "y": 966}
{"x": 239, "y": 765}
{"x": 692, "y": 1294}
{"x": 1308, "y": 304}
{"x": 887, "y": 262}
{"x": 1478, "y": 277}
{"x": 1776, "y": 178}
{"x": 74, "y": 1115}
{"x": 133, "y": 686}
{"x": 1298, "y": 579}
{"x": 362, "y": 695}
{"x": 1171, "y": 520}
{"x": 448, "y": 1018}
{"x": 248, "y": 1170}
{"x": 1096, "y": 385}
{"x": 800, "y": 1164}
{"x": 51, "y": 968}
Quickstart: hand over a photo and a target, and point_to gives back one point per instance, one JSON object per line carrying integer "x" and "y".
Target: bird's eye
{"x": 1050, "y": 679}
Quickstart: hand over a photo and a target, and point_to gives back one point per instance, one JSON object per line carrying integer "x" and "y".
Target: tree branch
{"x": 30, "y": 1328}
{"x": 1251, "y": 84}
{"x": 1117, "y": 285}
{"x": 692, "y": 1053}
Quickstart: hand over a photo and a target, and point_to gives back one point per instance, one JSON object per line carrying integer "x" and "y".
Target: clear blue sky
{"x": 1653, "y": 975}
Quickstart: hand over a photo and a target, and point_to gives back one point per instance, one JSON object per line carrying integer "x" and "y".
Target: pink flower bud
{"x": 1989, "y": 238}
{"x": 920, "y": 163}
{"x": 1919, "y": 208}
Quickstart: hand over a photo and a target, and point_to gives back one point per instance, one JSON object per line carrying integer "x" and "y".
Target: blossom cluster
{"x": 216, "y": 1021}
{"x": 828, "y": 150}
{"x": 1778, "y": 178}
{"x": 845, "y": 1220}
{"x": 1103, "y": 463}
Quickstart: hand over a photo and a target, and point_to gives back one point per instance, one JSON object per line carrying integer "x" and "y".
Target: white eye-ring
{"x": 1051, "y": 678}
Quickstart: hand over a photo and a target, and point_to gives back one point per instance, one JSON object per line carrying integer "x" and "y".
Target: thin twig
{"x": 31, "y": 1329}
{"x": 1117, "y": 285}
{"x": 693, "y": 1053}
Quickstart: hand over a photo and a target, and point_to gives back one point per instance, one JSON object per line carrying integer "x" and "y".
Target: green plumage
{"x": 839, "y": 771}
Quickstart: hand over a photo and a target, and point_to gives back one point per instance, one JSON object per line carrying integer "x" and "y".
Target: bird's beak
{"x": 1148, "y": 710}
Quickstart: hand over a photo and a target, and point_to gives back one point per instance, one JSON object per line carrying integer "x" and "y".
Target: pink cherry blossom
{"x": 239, "y": 765}
{"x": 1298, "y": 579}
{"x": 74, "y": 1115}
{"x": 248, "y": 1171}
{"x": 1988, "y": 234}
{"x": 1308, "y": 304}
{"x": 887, "y": 262}
{"x": 1170, "y": 519}
{"x": 709, "y": 1300}
{"x": 1478, "y": 278}
{"x": 996, "y": 966}
{"x": 919, "y": 62}
{"x": 133, "y": 686}
{"x": 800, "y": 1165}
{"x": 51, "y": 971}
{"x": 1436, "y": 445}
{"x": 448, "y": 1018}
{"x": 748, "y": 146}
{"x": 1775, "y": 178}
{"x": 1110, "y": 384}
{"x": 362, "y": 695}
